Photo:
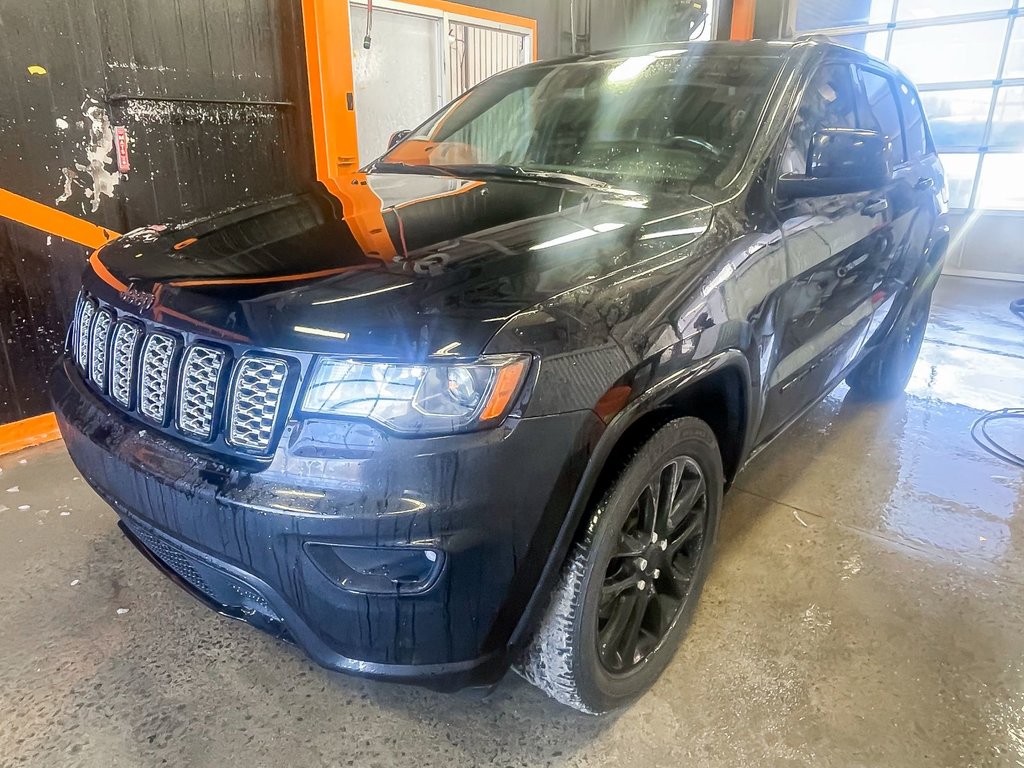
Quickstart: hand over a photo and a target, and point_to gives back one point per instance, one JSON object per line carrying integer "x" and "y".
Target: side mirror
{"x": 397, "y": 137}
{"x": 841, "y": 161}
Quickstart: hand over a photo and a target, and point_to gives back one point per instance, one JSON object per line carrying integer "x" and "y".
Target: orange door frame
{"x": 743, "y": 19}
{"x": 331, "y": 86}
{"x": 331, "y": 82}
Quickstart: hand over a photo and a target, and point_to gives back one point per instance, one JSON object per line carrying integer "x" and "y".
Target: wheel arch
{"x": 717, "y": 390}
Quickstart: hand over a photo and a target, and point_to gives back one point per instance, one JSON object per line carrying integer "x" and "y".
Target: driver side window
{"x": 829, "y": 101}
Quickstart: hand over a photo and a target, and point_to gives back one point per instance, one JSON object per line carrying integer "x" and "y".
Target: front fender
{"x": 650, "y": 400}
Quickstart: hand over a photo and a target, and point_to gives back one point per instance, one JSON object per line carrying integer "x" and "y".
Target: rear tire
{"x": 624, "y": 578}
{"x": 885, "y": 372}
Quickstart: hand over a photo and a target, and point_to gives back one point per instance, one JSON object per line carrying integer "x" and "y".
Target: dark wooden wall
{"x": 212, "y": 94}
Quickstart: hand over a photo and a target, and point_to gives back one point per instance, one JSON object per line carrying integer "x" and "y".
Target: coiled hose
{"x": 979, "y": 430}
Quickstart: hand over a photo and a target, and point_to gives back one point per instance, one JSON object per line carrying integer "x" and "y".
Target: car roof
{"x": 763, "y": 48}
{"x": 777, "y": 48}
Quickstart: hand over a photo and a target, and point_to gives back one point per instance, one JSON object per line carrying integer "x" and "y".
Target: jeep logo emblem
{"x": 139, "y": 299}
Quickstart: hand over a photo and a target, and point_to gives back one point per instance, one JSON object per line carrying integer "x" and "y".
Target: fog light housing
{"x": 378, "y": 570}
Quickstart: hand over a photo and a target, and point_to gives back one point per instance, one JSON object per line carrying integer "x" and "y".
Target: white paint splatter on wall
{"x": 69, "y": 177}
{"x": 215, "y": 114}
{"x": 96, "y": 179}
{"x": 99, "y": 153}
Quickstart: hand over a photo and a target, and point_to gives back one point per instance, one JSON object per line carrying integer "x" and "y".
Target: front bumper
{"x": 239, "y": 536}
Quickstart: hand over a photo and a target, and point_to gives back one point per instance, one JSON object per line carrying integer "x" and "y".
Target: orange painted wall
{"x": 743, "y": 19}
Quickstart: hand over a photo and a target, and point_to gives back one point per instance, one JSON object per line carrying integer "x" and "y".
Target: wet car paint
{"x": 464, "y": 257}
{"x": 628, "y": 299}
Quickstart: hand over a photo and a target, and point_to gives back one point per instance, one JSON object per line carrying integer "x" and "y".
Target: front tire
{"x": 628, "y": 592}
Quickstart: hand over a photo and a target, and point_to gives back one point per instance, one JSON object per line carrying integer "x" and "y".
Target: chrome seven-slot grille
{"x": 139, "y": 370}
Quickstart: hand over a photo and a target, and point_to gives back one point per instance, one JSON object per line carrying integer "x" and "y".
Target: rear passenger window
{"x": 913, "y": 122}
{"x": 880, "y": 112}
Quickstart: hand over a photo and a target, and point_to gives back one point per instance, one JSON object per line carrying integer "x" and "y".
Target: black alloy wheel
{"x": 631, "y": 585}
{"x": 651, "y": 574}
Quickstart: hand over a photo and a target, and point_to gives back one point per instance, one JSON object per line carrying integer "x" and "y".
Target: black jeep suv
{"x": 478, "y": 405}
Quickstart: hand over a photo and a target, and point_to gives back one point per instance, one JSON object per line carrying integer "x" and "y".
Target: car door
{"x": 880, "y": 111}
{"x": 838, "y": 248}
{"x": 914, "y": 196}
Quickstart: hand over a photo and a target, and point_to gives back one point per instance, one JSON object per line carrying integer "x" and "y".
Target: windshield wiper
{"x": 518, "y": 172}
{"x": 483, "y": 170}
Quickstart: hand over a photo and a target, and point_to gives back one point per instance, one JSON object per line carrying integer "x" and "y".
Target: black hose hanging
{"x": 979, "y": 431}
{"x": 368, "y": 39}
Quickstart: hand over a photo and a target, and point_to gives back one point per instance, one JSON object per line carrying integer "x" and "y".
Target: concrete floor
{"x": 866, "y": 609}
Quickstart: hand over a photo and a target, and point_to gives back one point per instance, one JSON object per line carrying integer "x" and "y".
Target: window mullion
{"x": 987, "y": 136}
{"x": 893, "y": 25}
{"x": 892, "y": 28}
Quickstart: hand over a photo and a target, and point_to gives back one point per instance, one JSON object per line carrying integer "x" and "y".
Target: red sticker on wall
{"x": 121, "y": 146}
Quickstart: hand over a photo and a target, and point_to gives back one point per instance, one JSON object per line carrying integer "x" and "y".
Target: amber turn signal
{"x": 505, "y": 388}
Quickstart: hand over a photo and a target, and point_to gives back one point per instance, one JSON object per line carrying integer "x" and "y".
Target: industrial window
{"x": 967, "y": 60}
{"x": 411, "y": 57}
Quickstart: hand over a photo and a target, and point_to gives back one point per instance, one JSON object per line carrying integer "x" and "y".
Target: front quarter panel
{"x": 589, "y": 337}
{"x": 629, "y": 332}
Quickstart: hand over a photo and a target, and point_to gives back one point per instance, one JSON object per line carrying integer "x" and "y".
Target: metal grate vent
{"x": 177, "y": 560}
{"x": 122, "y": 362}
{"x": 84, "y": 329}
{"x": 146, "y": 369}
{"x": 101, "y": 328}
{"x": 155, "y": 378}
{"x": 77, "y": 324}
{"x": 256, "y": 402}
{"x": 200, "y": 380}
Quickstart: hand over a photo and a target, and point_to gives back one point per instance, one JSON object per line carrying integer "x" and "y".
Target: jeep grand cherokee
{"x": 477, "y": 405}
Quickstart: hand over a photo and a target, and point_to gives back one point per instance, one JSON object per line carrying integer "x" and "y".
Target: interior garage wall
{"x": 212, "y": 96}
{"x": 987, "y": 245}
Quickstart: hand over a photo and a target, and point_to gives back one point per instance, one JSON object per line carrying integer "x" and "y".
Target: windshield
{"x": 665, "y": 117}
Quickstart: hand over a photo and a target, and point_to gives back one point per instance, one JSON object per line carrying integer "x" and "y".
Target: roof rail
{"x": 813, "y": 37}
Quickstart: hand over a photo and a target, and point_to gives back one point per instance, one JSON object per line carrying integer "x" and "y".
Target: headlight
{"x": 418, "y": 399}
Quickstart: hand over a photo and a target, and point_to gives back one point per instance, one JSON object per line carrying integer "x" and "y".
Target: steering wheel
{"x": 674, "y": 142}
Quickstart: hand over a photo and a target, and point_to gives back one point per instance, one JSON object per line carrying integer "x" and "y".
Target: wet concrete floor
{"x": 866, "y": 609}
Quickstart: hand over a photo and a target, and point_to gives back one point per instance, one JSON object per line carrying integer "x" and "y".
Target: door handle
{"x": 874, "y": 207}
{"x": 845, "y": 269}
{"x": 925, "y": 182}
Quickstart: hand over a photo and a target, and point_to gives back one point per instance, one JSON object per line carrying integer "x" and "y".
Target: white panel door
{"x": 399, "y": 80}
{"x": 477, "y": 51}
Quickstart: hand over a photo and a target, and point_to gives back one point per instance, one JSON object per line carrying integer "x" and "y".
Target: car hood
{"x": 398, "y": 265}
